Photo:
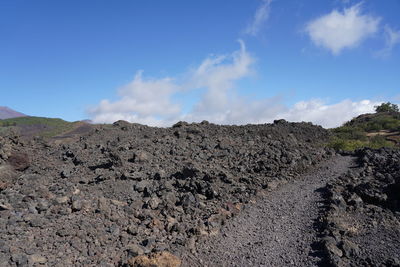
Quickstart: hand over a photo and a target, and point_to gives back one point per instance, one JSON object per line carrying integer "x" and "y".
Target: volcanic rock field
{"x": 197, "y": 194}
{"x": 362, "y": 225}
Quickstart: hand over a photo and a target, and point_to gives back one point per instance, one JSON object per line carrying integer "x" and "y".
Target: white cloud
{"x": 244, "y": 111}
{"x": 144, "y": 101}
{"x": 339, "y": 30}
{"x": 328, "y": 116}
{"x": 241, "y": 111}
{"x": 261, "y": 15}
{"x": 392, "y": 38}
{"x": 149, "y": 101}
{"x": 218, "y": 75}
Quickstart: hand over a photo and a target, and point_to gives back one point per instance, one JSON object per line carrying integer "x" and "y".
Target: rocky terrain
{"x": 126, "y": 190}
{"x": 131, "y": 195}
{"x": 279, "y": 229}
{"x": 362, "y": 223}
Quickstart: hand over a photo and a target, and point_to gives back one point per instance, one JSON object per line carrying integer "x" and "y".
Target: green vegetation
{"x": 369, "y": 130}
{"x": 45, "y": 127}
{"x": 387, "y": 107}
{"x": 352, "y": 144}
{"x": 389, "y": 121}
{"x": 7, "y": 123}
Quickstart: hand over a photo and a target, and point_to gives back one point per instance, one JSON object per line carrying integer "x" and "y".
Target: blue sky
{"x": 231, "y": 62}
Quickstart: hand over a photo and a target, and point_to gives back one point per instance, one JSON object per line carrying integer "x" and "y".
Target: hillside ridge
{"x": 8, "y": 113}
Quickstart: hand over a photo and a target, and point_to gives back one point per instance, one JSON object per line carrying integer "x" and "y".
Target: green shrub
{"x": 373, "y": 127}
{"x": 348, "y": 132}
{"x": 379, "y": 141}
{"x": 386, "y": 107}
{"x": 351, "y": 145}
{"x": 345, "y": 144}
{"x": 7, "y": 123}
{"x": 381, "y": 123}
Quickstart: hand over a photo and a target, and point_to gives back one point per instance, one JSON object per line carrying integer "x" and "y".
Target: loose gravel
{"x": 280, "y": 229}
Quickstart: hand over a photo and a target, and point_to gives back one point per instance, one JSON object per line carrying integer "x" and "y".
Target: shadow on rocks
{"x": 318, "y": 247}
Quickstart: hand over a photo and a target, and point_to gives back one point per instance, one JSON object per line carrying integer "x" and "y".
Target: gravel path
{"x": 278, "y": 230}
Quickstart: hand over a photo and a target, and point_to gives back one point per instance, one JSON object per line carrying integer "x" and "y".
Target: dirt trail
{"x": 278, "y": 230}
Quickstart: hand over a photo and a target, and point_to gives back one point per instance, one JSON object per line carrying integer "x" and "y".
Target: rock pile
{"x": 11, "y": 159}
{"x": 127, "y": 190}
{"x": 363, "y": 220}
{"x": 5, "y": 149}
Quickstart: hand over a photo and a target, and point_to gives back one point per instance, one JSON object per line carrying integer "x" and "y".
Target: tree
{"x": 387, "y": 107}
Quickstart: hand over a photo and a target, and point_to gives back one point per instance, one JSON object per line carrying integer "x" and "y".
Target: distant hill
{"x": 389, "y": 121}
{"x": 44, "y": 127}
{"x": 381, "y": 129}
{"x": 8, "y": 113}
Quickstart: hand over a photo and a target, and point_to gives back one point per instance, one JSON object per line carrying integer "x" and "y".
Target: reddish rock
{"x": 162, "y": 259}
{"x": 20, "y": 161}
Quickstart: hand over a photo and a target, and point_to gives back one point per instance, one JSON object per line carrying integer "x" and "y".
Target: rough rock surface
{"x": 280, "y": 229}
{"x": 126, "y": 190}
{"x": 362, "y": 224}
{"x": 160, "y": 259}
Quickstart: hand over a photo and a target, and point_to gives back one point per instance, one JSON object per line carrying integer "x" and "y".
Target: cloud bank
{"x": 340, "y": 30}
{"x": 260, "y": 16}
{"x": 328, "y": 115}
{"x": 146, "y": 101}
{"x": 151, "y": 101}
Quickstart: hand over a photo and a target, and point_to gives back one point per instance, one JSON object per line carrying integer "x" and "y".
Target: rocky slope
{"x": 362, "y": 224}
{"x": 121, "y": 193}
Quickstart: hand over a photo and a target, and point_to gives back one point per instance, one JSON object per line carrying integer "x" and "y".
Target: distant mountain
{"x": 7, "y": 113}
